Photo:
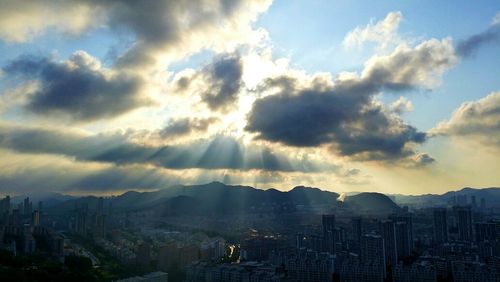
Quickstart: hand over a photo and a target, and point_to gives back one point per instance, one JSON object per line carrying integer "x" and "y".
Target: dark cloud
{"x": 185, "y": 126}
{"x": 345, "y": 115}
{"x": 177, "y": 27}
{"x": 468, "y": 46}
{"x": 223, "y": 79}
{"x": 79, "y": 177}
{"x": 423, "y": 159}
{"x": 169, "y": 25}
{"x": 217, "y": 83}
{"x": 78, "y": 88}
{"x": 352, "y": 124}
{"x": 376, "y": 134}
{"x": 304, "y": 119}
{"x": 220, "y": 152}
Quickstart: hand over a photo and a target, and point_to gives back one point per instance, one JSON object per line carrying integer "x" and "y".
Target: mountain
{"x": 216, "y": 198}
{"x": 491, "y": 195}
{"x": 372, "y": 203}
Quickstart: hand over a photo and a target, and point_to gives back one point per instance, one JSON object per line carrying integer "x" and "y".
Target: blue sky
{"x": 266, "y": 78}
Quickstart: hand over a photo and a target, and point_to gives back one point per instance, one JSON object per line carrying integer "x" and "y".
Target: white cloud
{"x": 401, "y": 105}
{"x": 421, "y": 66}
{"x": 384, "y": 33}
{"x": 496, "y": 19}
{"x": 479, "y": 120}
{"x": 21, "y": 21}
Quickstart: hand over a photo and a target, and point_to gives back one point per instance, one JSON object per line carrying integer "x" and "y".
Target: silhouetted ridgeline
{"x": 218, "y": 198}
{"x": 490, "y": 195}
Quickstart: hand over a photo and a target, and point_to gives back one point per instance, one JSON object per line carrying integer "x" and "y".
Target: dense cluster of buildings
{"x": 162, "y": 249}
{"x": 460, "y": 242}
{"x": 21, "y": 230}
{"x": 247, "y": 271}
{"x": 90, "y": 223}
{"x": 456, "y": 243}
{"x": 156, "y": 276}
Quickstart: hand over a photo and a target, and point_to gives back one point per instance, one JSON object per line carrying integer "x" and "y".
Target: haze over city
{"x": 249, "y": 140}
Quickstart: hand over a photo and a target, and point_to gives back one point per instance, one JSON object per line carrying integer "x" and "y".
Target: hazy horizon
{"x": 285, "y": 189}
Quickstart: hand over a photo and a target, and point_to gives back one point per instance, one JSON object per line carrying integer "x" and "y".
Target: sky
{"x": 102, "y": 97}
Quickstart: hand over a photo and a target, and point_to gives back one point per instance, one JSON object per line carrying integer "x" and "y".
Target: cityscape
{"x": 305, "y": 234}
{"x": 249, "y": 141}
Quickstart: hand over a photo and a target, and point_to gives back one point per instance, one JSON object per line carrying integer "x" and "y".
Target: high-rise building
{"x": 28, "y": 208}
{"x": 328, "y": 221}
{"x": 40, "y": 206}
{"x": 4, "y": 210}
{"x": 388, "y": 233}
{"x": 404, "y": 234}
{"x": 357, "y": 228}
{"x": 402, "y": 240}
{"x": 372, "y": 253}
{"x": 15, "y": 218}
{"x": 473, "y": 201}
{"x": 81, "y": 222}
{"x": 100, "y": 206}
{"x": 5, "y": 205}
{"x": 98, "y": 225}
{"x": 35, "y": 220}
{"x": 485, "y": 231}
{"x": 440, "y": 226}
{"x": 307, "y": 265}
{"x": 483, "y": 204}
{"x": 464, "y": 222}
{"x": 415, "y": 272}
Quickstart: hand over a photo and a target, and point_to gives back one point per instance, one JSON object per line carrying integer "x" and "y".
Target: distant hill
{"x": 217, "y": 198}
{"x": 491, "y": 195}
{"x": 370, "y": 202}
{"x": 214, "y": 197}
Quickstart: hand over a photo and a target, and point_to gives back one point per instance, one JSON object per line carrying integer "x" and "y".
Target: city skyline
{"x": 107, "y": 97}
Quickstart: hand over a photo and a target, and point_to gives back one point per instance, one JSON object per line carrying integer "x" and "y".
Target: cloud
{"x": 223, "y": 80}
{"x": 20, "y": 21}
{"x": 406, "y": 67}
{"x": 401, "y": 105}
{"x": 162, "y": 29}
{"x": 496, "y": 19}
{"x": 423, "y": 159}
{"x": 26, "y": 173}
{"x": 478, "y": 120}
{"x": 217, "y": 84}
{"x": 345, "y": 118}
{"x": 218, "y": 152}
{"x": 468, "y": 46}
{"x": 185, "y": 126}
{"x": 79, "y": 88}
{"x": 383, "y": 32}
{"x": 182, "y": 27}
{"x": 344, "y": 114}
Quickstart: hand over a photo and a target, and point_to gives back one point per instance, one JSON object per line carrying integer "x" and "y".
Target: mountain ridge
{"x": 217, "y": 193}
